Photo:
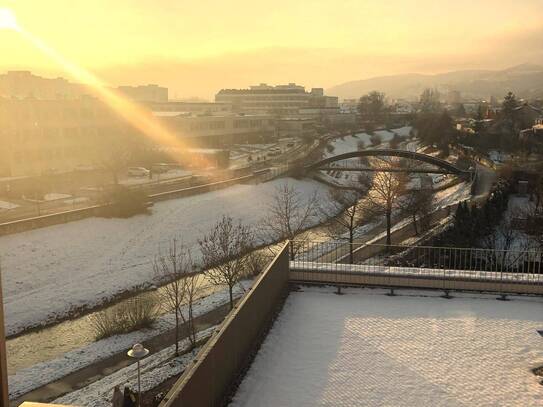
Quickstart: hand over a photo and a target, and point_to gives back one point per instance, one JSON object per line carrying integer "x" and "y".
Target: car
{"x": 138, "y": 172}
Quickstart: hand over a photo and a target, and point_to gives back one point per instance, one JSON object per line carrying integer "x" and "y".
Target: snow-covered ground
{"x": 415, "y": 349}
{"x": 50, "y": 271}
{"x": 7, "y": 205}
{"x": 155, "y": 369}
{"x": 350, "y": 143}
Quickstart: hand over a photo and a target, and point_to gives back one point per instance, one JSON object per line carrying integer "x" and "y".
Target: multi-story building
{"x": 219, "y": 130}
{"x": 50, "y": 136}
{"x": 283, "y": 100}
{"x": 24, "y": 84}
{"x": 297, "y": 127}
{"x": 45, "y": 136}
{"x": 145, "y": 93}
{"x": 205, "y": 108}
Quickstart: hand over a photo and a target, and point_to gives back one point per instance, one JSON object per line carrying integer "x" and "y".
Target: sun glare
{"x": 8, "y": 21}
{"x": 132, "y": 112}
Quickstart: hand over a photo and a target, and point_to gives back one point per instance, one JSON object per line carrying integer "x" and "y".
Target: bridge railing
{"x": 452, "y": 263}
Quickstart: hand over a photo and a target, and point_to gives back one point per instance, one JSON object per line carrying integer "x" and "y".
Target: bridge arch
{"x": 438, "y": 162}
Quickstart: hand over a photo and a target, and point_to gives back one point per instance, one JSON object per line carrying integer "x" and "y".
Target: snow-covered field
{"x": 415, "y": 349}
{"x": 350, "y": 143}
{"x": 50, "y": 271}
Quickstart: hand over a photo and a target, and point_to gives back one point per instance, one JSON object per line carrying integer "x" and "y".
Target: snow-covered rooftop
{"x": 415, "y": 349}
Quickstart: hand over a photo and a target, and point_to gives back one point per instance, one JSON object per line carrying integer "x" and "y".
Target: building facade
{"x": 220, "y": 130}
{"x": 49, "y": 136}
{"x": 281, "y": 100}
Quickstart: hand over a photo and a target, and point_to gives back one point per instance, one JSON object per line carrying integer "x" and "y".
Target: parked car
{"x": 138, "y": 172}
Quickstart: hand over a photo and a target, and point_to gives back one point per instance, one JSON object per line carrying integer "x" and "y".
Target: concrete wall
{"x": 220, "y": 363}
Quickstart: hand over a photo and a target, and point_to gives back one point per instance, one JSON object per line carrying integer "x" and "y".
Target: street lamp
{"x": 138, "y": 352}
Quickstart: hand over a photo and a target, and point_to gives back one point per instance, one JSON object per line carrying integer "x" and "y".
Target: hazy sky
{"x": 197, "y": 47}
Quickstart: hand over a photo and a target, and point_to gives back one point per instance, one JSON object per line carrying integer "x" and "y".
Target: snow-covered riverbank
{"x": 49, "y": 272}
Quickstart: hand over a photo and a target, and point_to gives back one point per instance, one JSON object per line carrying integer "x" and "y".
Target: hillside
{"x": 525, "y": 80}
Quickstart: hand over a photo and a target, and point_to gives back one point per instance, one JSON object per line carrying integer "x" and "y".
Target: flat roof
{"x": 365, "y": 348}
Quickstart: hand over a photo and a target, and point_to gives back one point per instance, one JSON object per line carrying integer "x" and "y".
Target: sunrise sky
{"x": 198, "y": 47}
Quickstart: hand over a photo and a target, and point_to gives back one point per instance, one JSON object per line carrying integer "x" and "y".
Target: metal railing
{"x": 446, "y": 263}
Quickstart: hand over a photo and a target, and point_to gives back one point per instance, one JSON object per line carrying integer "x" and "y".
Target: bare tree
{"x": 507, "y": 245}
{"x": 386, "y": 189}
{"x": 344, "y": 211}
{"x": 224, "y": 252}
{"x": 418, "y": 204}
{"x": 290, "y": 214}
{"x": 179, "y": 294}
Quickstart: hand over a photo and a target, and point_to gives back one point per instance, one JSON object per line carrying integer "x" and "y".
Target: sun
{"x": 8, "y": 21}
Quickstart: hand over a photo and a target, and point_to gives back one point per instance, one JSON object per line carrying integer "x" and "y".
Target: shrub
{"x": 124, "y": 202}
{"x": 375, "y": 139}
{"x": 257, "y": 261}
{"x": 136, "y": 313}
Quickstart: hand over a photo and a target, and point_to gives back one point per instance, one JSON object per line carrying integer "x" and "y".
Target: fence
{"x": 219, "y": 364}
{"x": 418, "y": 266}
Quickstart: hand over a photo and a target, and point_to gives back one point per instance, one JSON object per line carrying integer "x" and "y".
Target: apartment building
{"x": 24, "y": 84}
{"x": 48, "y": 136}
{"x": 282, "y": 100}
{"x": 201, "y": 108}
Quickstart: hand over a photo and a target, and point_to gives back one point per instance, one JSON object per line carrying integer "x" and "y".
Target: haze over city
{"x": 281, "y": 203}
{"x": 195, "y": 48}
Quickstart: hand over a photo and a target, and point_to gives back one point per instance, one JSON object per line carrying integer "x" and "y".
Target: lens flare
{"x": 135, "y": 115}
{"x": 8, "y": 21}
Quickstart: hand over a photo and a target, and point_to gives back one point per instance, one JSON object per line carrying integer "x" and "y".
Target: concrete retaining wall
{"x": 219, "y": 364}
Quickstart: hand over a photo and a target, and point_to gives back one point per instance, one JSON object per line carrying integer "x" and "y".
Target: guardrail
{"x": 451, "y": 268}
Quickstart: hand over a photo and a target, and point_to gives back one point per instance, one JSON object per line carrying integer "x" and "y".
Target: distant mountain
{"x": 525, "y": 80}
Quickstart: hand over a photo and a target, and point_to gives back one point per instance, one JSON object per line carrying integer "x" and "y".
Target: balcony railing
{"x": 452, "y": 263}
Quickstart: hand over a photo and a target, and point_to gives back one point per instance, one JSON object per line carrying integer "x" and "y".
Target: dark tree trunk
{"x": 389, "y": 215}
{"x": 230, "y": 291}
{"x": 176, "y": 332}
{"x": 351, "y": 250}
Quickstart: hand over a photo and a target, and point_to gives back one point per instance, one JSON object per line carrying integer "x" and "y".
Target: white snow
{"x": 416, "y": 349}
{"x": 50, "y": 271}
{"x": 7, "y": 205}
{"x": 53, "y": 196}
{"x": 155, "y": 369}
{"x": 350, "y": 143}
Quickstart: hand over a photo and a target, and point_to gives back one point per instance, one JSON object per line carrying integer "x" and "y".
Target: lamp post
{"x": 138, "y": 352}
